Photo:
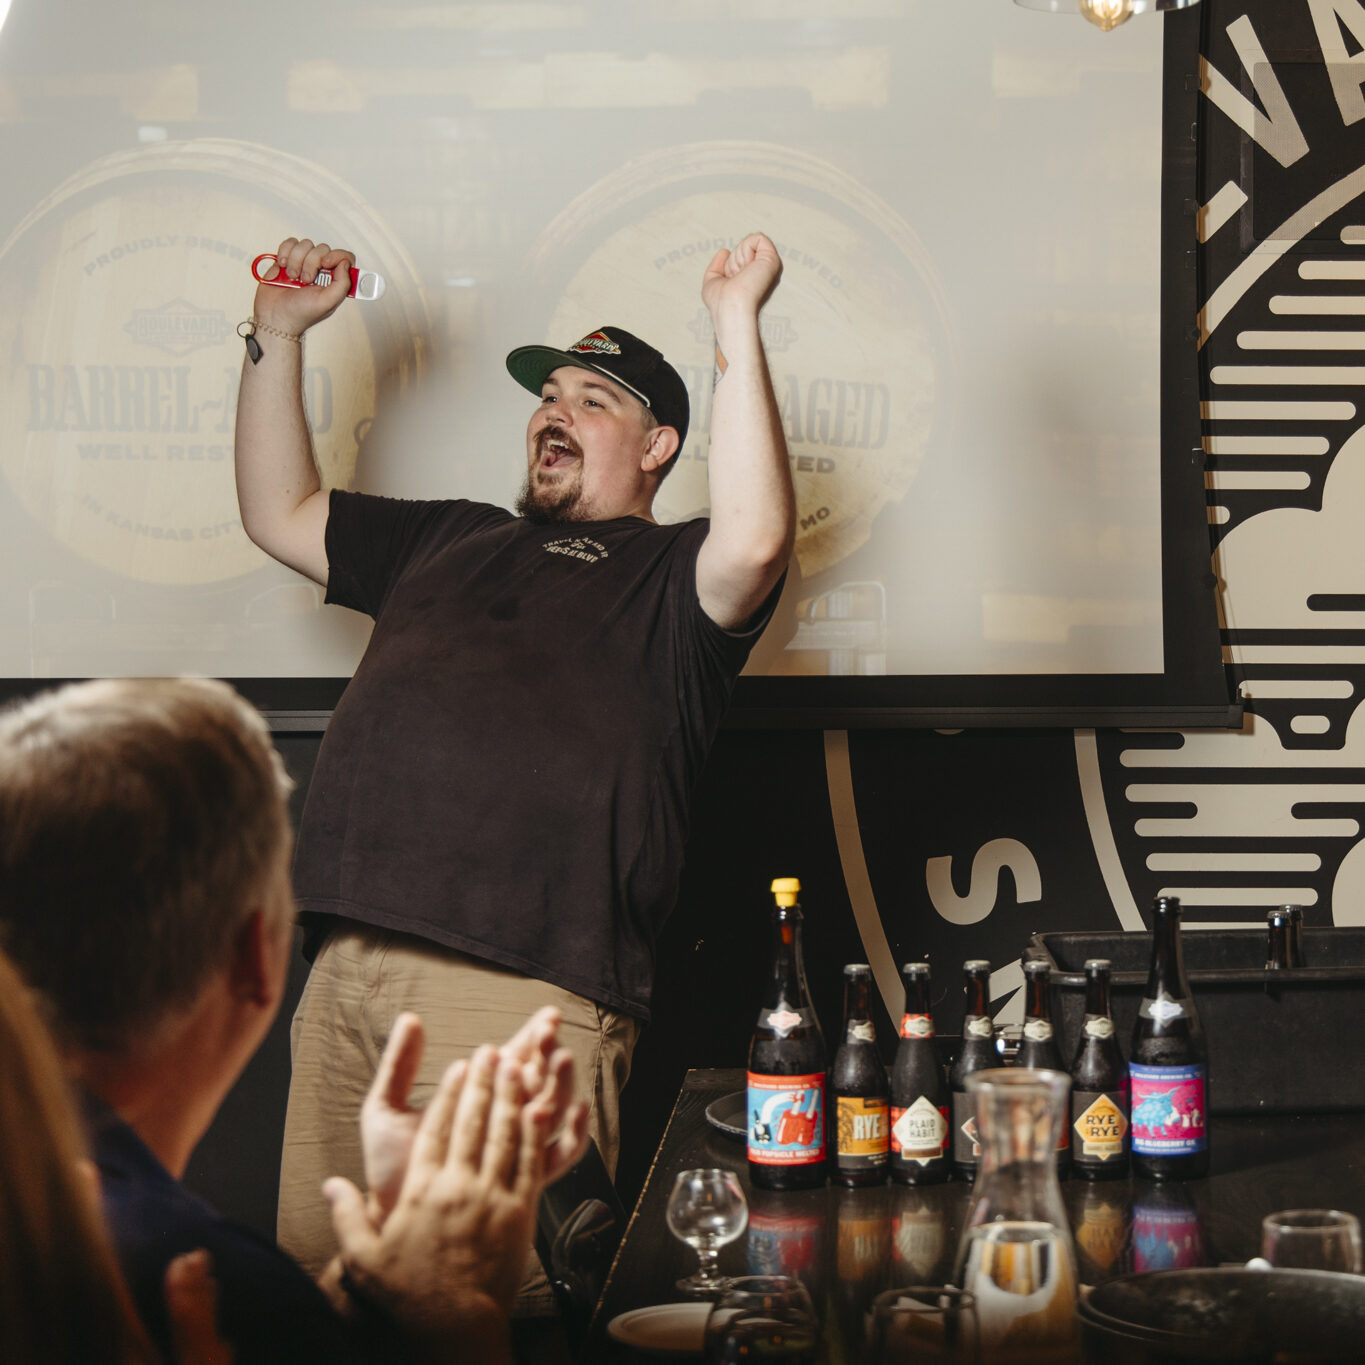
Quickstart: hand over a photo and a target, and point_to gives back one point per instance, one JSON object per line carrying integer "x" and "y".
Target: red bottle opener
{"x": 365, "y": 284}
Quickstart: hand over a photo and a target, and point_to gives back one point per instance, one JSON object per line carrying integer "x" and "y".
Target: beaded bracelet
{"x": 253, "y": 347}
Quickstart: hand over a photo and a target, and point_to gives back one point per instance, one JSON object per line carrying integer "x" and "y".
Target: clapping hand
{"x": 449, "y": 1257}
{"x": 388, "y": 1123}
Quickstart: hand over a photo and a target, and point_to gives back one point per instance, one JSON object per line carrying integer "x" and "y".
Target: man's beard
{"x": 556, "y": 500}
{"x": 545, "y": 506}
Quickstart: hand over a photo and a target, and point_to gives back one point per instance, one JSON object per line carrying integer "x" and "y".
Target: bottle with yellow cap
{"x": 786, "y": 1076}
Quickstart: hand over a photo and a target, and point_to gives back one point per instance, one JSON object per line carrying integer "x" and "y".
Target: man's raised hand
{"x": 296, "y": 310}
{"x": 741, "y": 279}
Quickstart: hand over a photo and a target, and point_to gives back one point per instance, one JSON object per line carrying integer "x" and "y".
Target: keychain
{"x": 365, "y": 284}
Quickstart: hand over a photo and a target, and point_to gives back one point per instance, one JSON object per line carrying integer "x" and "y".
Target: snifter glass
{"x": 706, "y": 1209}
{"x": 1016, "y": 1256}
{"x": 1312, "y": 1239}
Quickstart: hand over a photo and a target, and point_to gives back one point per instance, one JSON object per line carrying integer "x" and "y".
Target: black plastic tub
{"x": 1280, "y": 1042}
{"x": 1241, "y": 1317}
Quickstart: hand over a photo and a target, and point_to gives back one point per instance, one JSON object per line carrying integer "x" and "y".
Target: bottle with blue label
{"x": 1169, "y": 1064}
{"x": 787, "y": 1059}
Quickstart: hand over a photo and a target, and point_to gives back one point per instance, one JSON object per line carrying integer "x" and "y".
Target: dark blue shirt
{"x": 268, "y": 1308}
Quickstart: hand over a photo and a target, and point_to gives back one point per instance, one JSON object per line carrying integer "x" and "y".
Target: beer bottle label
{"x": 1100, "y": 1122}
{"x": 861, "y": 1031}
{"x": 862, "y": 1133}
{"x": 1169, "y": 1115}
{"x": 1099, "y": 1026}
{"x": 917, "y": 1026}
{"x": 966, "y": 1146}
{"x": 1038, "y": 1030}
{"x": 1163, "y": 1009}
{"x": 786, "y": 1119}
{"x": 919, "y": 1132}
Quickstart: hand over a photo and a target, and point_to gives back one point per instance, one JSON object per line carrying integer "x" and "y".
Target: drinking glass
{"x": 924, "y": 1323}
{"x": 706, "y": 1209}
{"x": 775, "y": 1336}
{"x": 781, "y": 1294}
{"x": 1312, "y": 1239}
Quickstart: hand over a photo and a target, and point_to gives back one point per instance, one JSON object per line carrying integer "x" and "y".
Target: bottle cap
{"x": 1098, "y": 964}
{"x": 915, "y": 969}
{"x": 785, "y": 889}
{"x": 1036, "y": 967}
{"x": 857, "y": 969}
{"x": 976, "y": 964}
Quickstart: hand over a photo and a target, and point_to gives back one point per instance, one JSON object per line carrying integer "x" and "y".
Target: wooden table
{"x": 848, "y": 1245}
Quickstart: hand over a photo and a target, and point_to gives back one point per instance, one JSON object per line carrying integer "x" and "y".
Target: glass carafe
{"x": 1016, "y": 1255}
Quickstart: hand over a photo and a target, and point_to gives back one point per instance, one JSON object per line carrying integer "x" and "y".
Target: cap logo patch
{"x": 597, "y": 343}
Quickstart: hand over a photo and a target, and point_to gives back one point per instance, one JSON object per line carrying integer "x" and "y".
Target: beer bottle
{"x": 978, "y": 1054}
{"x": 1099, "y": 1086}
{"x": 1283, "y": 938}
{"x": 1277, "y": 939}
{"x": 862, "y": 1128}
{"x": 1295, "y": 935}
{"x": 919, "y": 1090}
{"x": 1038, "y": 1049}
{"x": 786, "y": 1075}
{"x": 1168, "y": 1064}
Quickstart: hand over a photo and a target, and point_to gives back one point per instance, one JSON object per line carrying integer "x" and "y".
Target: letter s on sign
{"x": 985, "y": 881}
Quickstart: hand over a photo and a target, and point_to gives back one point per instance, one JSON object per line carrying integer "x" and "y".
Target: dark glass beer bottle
{"x": 920, "y": 1101}
{"x": 857, "y": 1080}
{"x": 1168, "y": 1064}
{"x": 1099, "y": 1086}
{"x": 977, "y": 1054}
{"x": 1284, "y": 942}
{"x": 1277, "y": 939}
{"x": 1295, "y": 935}
{"x": 1038, "y": 1049}
{"x": 786, "y": 1077}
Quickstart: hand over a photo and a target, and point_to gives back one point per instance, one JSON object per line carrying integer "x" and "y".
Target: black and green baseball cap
{"x": 626, "y": 360}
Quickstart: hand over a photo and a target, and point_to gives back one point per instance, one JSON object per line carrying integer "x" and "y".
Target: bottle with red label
{"x": 978, "y": 1054}
{"x": 858, "y": 1085}
{"x": 1038, "y": 1049}
{"x": 920, "y": 1102}
{"x": 1168, "y": 1064}
{"x": 1100, "y": 1103}
{"x": 786, "y": 1076}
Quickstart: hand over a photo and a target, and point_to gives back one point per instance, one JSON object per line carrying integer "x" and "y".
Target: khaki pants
{"x": 362, "y": 978}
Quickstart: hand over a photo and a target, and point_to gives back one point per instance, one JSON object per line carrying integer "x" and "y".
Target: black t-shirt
{"x": 508, "y": 772}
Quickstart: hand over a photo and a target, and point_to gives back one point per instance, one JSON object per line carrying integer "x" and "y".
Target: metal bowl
{"x": 1253, "y": 1317}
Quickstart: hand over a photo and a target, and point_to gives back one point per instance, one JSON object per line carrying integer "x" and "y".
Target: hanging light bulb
{"x": 1107, "y": 14}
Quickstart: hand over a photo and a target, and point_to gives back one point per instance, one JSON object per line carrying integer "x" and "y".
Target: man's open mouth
{"x": 556, "y": 449}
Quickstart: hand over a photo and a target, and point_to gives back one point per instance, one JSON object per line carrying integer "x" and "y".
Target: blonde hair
{"x": 140, "y": 821}
{"x": 62, "y": 1299}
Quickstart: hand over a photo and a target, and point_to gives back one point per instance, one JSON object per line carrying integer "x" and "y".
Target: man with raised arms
{"x": 497, "y": 816}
